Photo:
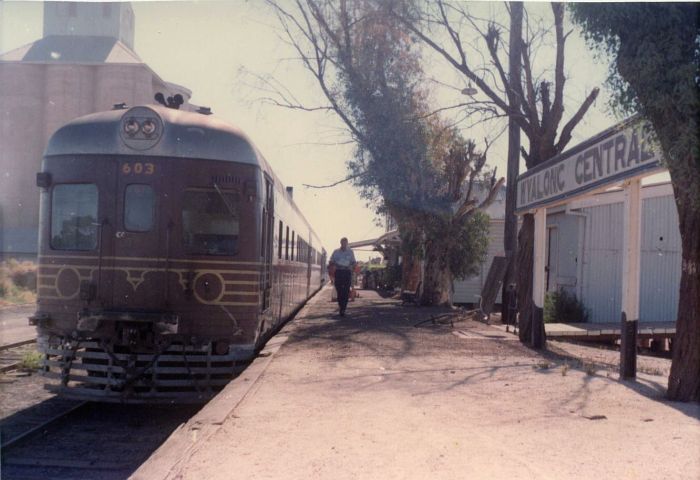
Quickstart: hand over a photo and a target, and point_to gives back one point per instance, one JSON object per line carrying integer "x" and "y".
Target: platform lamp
{"x": 469, "y": 90}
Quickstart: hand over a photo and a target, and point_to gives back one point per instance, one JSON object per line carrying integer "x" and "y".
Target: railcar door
{"x": 266, "y": 244}
{"x": 141, "y": 234}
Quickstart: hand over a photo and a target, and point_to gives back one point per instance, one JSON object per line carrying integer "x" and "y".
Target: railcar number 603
{"x": 138, "y": 168}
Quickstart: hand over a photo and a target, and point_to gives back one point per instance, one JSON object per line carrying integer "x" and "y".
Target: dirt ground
{"x": 372, "y": 396}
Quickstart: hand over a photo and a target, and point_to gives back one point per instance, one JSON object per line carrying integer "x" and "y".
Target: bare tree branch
{"x": 565, "y": 135}
{"x": 331, "y": 185}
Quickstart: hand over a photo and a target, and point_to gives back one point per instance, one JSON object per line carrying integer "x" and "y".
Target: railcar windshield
{"x": 74, "y": 217}
{"x": 139, "y": 203}
{"x": 210, "y": 222}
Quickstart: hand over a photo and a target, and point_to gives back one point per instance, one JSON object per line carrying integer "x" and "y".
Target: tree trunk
{"x": 437, "y": 287}
{"x": 510, "y": 230}
{"x": 684, "y": 380}
{"x": 410, "y": 270}
{"x": 526, "y": 243}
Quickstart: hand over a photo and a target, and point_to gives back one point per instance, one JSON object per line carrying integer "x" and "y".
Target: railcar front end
{"x": 155, "y": 265}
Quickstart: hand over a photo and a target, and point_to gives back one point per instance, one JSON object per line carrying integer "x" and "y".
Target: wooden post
{"x": 631, "y": 246}
{"x": 538, "y": 286}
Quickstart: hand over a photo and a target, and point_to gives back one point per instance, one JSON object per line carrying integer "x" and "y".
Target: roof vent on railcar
{"x": 204, "y": 110}
{"x": 290, "y": 192}
{"x": 173, "y": 102}
{"x": 120, "y": 106}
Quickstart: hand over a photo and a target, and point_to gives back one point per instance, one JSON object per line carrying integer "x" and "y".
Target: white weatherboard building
{"x": 467, "y": 290}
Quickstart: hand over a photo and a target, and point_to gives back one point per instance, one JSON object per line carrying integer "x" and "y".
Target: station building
{"x": 584, "y": 250}
{"x": 84, "y": 63}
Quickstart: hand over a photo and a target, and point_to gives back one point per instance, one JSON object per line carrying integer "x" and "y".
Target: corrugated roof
{"x": 73, "y": 49}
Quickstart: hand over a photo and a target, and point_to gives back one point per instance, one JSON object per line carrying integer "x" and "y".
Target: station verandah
{"x": 621, "y": 156}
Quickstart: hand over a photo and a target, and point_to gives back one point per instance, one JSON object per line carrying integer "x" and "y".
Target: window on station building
{"x": 74, "y": 217}
{"x": 139, "y": 207}
{"x": 210, "y": 222}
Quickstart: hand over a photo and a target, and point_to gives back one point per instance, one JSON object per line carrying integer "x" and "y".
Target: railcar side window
{"x": 74, "y": 217}
{"x": 279, "y": 242}
{"x": 291, "y": 256}
{"x": 286, "y": 245}
{"x": 210, "y": 222}
{"x": 139, "y": 201}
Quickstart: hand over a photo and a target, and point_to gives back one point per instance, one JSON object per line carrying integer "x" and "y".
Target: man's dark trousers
{"x": 342, "y": 286}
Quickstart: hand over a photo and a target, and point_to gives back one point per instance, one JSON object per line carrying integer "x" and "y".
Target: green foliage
{"x": 469, "y": 244}
{"x": 31, "y": 360}
{"x": 562, "y": 306}
{"x": 380, "y": 80}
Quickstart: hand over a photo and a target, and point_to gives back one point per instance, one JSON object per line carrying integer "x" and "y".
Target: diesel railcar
{"x": 169, "y": 252}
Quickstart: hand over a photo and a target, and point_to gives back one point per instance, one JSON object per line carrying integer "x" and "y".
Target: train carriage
{"x": 168, "y": 253}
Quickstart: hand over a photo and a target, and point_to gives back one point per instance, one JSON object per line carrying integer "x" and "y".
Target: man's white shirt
{"x": 343, "y": 258}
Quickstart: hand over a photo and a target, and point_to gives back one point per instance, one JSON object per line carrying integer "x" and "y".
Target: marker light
{"x": 148, "y": 127}
{"x": 131, "y": 127}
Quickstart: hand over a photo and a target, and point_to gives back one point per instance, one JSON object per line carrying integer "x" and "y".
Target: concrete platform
{"x": 607, "y": 331}
{"x": 372, "y": 396}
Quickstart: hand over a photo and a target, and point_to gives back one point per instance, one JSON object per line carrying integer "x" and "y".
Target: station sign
{"x": 623, "y": 151}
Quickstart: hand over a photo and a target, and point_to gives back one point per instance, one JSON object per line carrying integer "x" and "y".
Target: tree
{"x": 654, "y": 50}
{"x": 368, "y": 69}
{"x": 454, "y": 230}
{"x": 536, "y": 103}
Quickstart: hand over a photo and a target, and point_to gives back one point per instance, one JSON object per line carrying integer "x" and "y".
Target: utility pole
{"x": 510, "y": 234}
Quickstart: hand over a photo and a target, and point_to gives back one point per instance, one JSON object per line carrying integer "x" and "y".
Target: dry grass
{"x": 17, "y": 282}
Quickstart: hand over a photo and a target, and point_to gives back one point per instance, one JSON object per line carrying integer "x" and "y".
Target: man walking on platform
{"x": 342, "y": 261}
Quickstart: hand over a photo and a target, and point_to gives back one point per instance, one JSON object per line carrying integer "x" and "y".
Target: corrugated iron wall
{"x": 602, "y": 263}
{"x": 661, "y": 261}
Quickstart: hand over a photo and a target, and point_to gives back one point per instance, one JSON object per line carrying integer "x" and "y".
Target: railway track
{"x": 89, "y": 440}
{"x": 46, "y": 437}
{"x": 11, "y": 355}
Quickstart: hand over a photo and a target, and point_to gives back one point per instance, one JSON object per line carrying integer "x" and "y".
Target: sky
{"x": 212, "y": 48}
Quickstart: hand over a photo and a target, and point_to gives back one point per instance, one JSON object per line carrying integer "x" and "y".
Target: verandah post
{"x": 631, "y": 246}
{"x": 538, "y": 287}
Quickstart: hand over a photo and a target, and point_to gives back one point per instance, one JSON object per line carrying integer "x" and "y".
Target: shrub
{"x": 562, "y": 306}
{"x": 17, "y": 282}
{"x": 25, "y": 279}
{"x": 31, "y": 360}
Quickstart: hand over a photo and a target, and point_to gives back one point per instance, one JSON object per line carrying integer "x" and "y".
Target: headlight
{"x": 141, "y": 128}
{"x": 148, "y": 128}
{"x": 131, "y": 127}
